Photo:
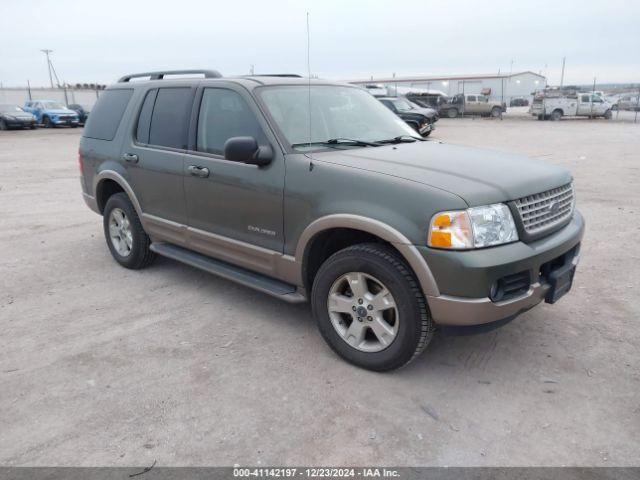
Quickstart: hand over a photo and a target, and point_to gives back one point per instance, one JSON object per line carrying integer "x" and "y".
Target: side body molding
{"x": 379, "y": 229}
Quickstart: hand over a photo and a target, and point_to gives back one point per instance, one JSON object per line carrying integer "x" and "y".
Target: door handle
{"x": 130, "y": 157}
{"x": 198, "y": 171}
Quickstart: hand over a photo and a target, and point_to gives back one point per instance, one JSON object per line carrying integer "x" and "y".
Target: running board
{"x": 257, "y": 281}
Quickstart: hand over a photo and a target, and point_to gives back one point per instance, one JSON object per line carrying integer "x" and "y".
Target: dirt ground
{"x": 104, "y": 366}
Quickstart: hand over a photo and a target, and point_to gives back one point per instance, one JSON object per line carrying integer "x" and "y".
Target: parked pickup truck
{"x": 51, "y": 113}
{"x": 312, "y": 190}
{"x": 465, "y": 104}
{"x": 554, "y": 106}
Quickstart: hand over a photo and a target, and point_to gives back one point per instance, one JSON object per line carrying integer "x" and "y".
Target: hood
{"x": 18, "y": 114}
{"x": 479, "y": 176}
{"x": 412, "y": 116}
{"x": 427, "y": 112}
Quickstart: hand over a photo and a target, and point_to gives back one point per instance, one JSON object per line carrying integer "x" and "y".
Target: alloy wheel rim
{"x": 120, "y": 233}
{"x": 363, "y": 312}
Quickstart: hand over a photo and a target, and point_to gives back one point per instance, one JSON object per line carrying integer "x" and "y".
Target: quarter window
{"x": 224, "y": 114}
{"x": 107, "y": 114}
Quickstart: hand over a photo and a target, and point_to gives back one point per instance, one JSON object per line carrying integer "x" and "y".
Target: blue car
{"x": 51, "y": 113}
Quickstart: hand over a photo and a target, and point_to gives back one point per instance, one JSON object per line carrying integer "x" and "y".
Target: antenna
{"x": 309, "y": 74}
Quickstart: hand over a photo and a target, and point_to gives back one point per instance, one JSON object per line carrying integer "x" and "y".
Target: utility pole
{"x": 562, "y": 74}
{"x": 47, "y": 52}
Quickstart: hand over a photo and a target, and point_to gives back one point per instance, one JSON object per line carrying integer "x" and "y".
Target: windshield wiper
{"x": 339, "y": 141}
{"x": 401, "y": 139}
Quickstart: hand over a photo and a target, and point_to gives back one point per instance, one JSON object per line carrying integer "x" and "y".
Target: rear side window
{"x": 170, "y": 117}
{"x": 144, "y": 119}
{"x": 225, "y": 114}
{"x": 107, "y": 114}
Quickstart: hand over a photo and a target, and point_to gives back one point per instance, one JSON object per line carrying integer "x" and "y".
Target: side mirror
{"x": 246, "y": 150}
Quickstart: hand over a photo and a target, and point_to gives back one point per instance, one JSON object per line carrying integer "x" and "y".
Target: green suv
{"x": 310, "y": 190}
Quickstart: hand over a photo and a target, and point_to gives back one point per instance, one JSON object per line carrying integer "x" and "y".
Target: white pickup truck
{"x": 578, "y": 104}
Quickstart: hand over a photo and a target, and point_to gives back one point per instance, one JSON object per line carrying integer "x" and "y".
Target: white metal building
{"x": 500, "y": 86}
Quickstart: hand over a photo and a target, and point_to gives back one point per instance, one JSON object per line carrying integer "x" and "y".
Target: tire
{"x": 540, "y": 117}
{"x": 452, "y": 113}
{"x": 607, "y": 115}
{"x": 33, "y": 127}
{"x": 73, "y": 126}
{"x": 47, "y": 122}
{"x": 496, "y": 112}
{"x": 425, "y": 135}
{"x": 379, "y": 266}
{"x": 3, "y": 125}
{"x": 556, "y": 115}
{"x": 138, "y": 255}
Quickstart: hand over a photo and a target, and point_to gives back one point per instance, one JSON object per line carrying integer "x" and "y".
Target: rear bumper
{"x": 91, "y": 202}
{"x": 465, "y": 278}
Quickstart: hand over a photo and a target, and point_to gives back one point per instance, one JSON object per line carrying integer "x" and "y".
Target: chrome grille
{"x": 543, "y": 211}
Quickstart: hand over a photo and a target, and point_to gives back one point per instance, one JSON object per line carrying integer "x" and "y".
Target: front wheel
{"x": 3, "y": 125}
{"x": 426, "y": 134}
{"x": 452, "y": 113}
{"x": 126, "y": 239}
{"x": 370, "y": 308}
{"x": 607, "y": 114}
{"x": 496, "y": 112}
{"x": 556, "y": 115}
{"x": 47, "y": 122}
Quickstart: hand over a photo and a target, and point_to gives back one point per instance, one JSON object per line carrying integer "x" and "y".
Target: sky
{"x": 96, "y": 42}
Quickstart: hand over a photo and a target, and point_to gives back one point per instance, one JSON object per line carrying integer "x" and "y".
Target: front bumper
{"x": 65, "y": 121}
{"x": 21, "y": 122}
{"x": 465, "y": 278}
{"x": 428, "y": 127}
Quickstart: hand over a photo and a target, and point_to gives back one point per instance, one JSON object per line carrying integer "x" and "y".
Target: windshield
{"x": 10, "y": 108}
{"x": 336, "y": 112}
{"x": 402, "y": 105}
{"x": 53, "y": 106}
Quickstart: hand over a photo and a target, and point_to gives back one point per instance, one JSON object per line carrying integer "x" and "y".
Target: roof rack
{"x": 289, "y": 75}
{"x": 160, "y": 75}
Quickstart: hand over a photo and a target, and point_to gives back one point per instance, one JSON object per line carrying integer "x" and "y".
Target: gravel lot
{"x": 104, "y": 366}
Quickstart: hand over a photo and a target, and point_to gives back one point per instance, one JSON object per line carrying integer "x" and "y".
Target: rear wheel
{"x": 556, "y": 115}
{"x": 607, "y": 115}
{"x": 126, "y": 239}
{"x": 370, "y": 308}
{"x": 47, "y": 122}
{"x": 3, "y": 125}
{"x": 452, "y": 113}
{"x": 495, "y": 112}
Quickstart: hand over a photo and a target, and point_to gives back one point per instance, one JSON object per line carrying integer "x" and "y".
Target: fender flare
{"x": 375, "y": 227}
{"x": 120, "y": 180}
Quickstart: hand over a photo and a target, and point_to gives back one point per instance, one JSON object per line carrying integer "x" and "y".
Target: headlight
{"x": 475, "y": 227}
